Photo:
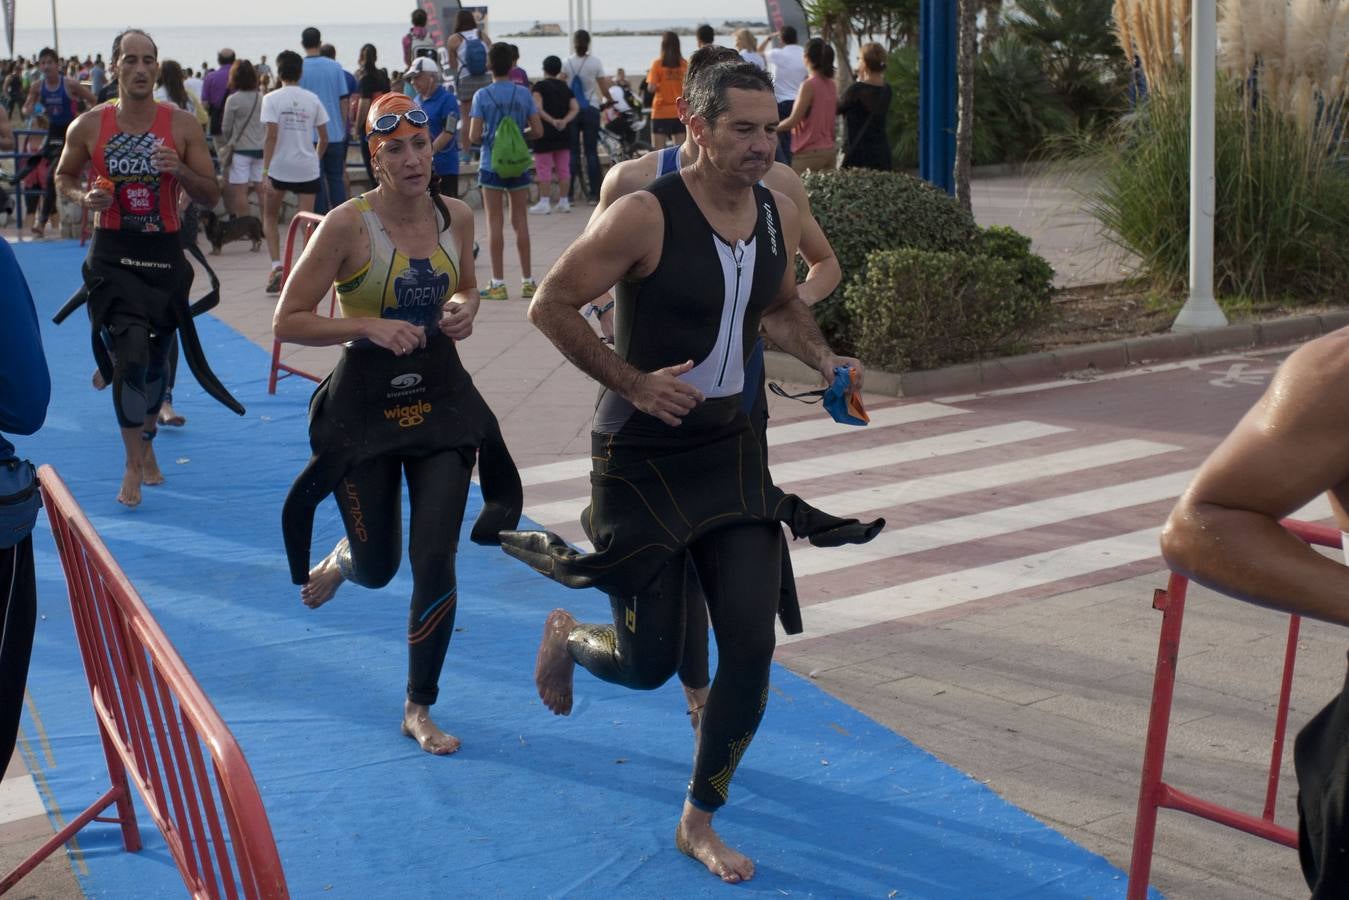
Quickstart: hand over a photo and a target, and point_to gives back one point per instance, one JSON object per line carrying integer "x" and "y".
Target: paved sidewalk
{"x": 1047, "y": 701}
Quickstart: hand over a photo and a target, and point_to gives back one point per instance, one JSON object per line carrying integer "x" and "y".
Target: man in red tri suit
{"x": 136, "y": 278}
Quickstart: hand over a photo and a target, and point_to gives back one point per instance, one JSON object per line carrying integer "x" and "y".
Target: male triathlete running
{"x": 136, "y": 277}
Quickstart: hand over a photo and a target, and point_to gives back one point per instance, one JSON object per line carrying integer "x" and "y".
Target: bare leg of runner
{"x": 130, "y": 494}
{"x": 553, "y": 669}
{"x": 150, "y": 472}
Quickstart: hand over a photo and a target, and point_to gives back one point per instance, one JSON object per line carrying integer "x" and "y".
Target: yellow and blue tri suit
{"x": 392, "y": 286}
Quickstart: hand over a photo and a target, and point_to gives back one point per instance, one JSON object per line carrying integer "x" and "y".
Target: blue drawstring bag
{"x": 840, "y": 400}
{"x": 19, "y": 501}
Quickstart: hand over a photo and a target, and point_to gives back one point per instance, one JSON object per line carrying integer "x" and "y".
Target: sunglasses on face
{"x": 388, "y": 122}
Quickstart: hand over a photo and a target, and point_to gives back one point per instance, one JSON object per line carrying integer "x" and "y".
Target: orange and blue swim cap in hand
{"x": 841, "y": 400}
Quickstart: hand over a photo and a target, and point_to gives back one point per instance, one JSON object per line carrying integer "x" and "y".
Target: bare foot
{"x": 324, "y": 579}
{"x": 130, "y": 494}
{"x": 554, "y": 666}
{"x": 694, "y": 837}
{"x": 97, "y": 380}
{"x": 170, "y": 416}
{"x": 150, "y": 473}
{"x": 417, "y": 725}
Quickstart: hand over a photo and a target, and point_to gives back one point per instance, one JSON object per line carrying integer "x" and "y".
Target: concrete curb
{"x": 1109, "y": 356}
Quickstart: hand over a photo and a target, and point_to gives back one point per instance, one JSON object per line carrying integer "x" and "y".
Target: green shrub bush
{"x": 861, "y": 210}
{"x": 1281, "y": 208}
{"x": 1034, "y": 273}
{"x": 917, "y": 309}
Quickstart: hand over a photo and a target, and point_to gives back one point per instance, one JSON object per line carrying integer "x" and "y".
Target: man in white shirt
{"x": 587, "y": 72}
{"x": 788, "y": 64}
{"x": 290, "y": 161}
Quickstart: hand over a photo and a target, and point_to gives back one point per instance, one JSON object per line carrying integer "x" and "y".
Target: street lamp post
{"x": 56, "y": 37}
{"x": 1201, "y": 310}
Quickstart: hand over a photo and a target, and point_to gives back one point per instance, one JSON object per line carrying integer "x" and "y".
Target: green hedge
{"x": 917, "y": 309}
{"x": 861, "y": 210}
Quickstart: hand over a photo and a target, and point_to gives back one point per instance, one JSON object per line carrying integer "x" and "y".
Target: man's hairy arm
{"x": 1290, "y": 447}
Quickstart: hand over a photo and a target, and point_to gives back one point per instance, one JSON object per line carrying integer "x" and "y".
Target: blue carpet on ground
{"x": 829, "y": 803}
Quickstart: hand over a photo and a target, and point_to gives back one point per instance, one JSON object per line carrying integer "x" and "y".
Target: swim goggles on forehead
{"x": 388, "y": 123}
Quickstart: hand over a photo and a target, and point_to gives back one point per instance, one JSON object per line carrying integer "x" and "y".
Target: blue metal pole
{"x": 937, "y": 93}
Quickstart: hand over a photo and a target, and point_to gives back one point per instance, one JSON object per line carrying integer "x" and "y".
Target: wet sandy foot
{"x": 130, "y": 494}
{"x": 150, "y": 473}
{"x": 417, "y": 725}
{"x": 554, "y": 667}
{"x": 695, "y": 838}
{"x": 324, "y": 579}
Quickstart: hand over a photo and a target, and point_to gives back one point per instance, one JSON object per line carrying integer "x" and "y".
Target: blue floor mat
{"x": 828, "y": 803}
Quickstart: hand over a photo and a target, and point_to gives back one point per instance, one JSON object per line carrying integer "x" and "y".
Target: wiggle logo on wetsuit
{"x": 409, "y": 416}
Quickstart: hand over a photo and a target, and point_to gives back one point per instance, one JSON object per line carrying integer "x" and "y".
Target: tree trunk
{"x": 965, "y": 51}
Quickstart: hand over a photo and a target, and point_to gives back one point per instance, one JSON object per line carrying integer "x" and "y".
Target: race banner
{"x": 788, "y": 12}
{"x": 9, "y": 25}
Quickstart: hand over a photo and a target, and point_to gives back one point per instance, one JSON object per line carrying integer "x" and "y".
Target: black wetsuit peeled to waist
{"x": 700, "y": 491}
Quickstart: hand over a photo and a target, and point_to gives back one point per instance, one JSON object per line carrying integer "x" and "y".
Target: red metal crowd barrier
{"x": 302, "y": 222}
{"x": 158, "y": 729}
{"x": 1153, "y": 792}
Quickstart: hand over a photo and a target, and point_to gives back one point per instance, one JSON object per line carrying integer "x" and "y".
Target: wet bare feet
{"x": 170, "y": 416}
{"x": 130, "y": 494}
{"x": 417, "y": 725}
{"x": 694, "y": 837}
{"x": 554, "y": 666}
{"x": 150, "y": 473}
{"x": 324, "y": 579}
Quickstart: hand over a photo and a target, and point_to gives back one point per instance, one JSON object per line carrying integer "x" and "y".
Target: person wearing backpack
{"x": 468, "y": 48}
{"x": 589, "y": 84}
{"x": 418, "y": 41}
{"x": 502, "y": 116}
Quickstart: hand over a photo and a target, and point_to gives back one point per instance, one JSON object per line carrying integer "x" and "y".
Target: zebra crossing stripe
{"x": 965, "y": 585}
{"x": 568, "y": 510}
{"x": 933, "y": 487}
{"x": 778, "y": 435}
{"x": 995, "y": 522}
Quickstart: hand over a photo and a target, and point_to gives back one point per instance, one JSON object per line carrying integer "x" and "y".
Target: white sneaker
{"x": 564, "y": 205}
{"x": 541, "y": 208}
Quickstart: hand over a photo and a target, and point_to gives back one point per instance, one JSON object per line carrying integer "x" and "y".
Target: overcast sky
{"x": 99, "y": 13}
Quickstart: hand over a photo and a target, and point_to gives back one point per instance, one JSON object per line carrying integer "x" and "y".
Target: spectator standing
{"x": 290, "y": 161}
{"x": 98, "y": 75}
{"x": 665, "y": 81}
{"x": 813, "y": 120}
{"x": 241, "y": 130}
{"x": 744, "y": 44}
{"x": 372, "y": 82}
{"x": 468, "y": 47}
{"x": 442, "y": 112}
{"x": 552, "y": 151}
{"x": 585, "y": 75}
{"x": 492, "y": 105}
{"x": 417, "y": 42}
{"x": 349, "y": 104}
{"x": 215, "y": 88}
{"x": 324, "y": 78}
{"x": 195, "y": 82}
{"x": 25, "y": 390}
{"x": 705, "y": 36}
{"x": 864, "y": 106}
{"x": 788, "y": 66}
{"x": 518, "y": 75}
{"x": 173, "y": 88}
{"x": 264, "y": 71}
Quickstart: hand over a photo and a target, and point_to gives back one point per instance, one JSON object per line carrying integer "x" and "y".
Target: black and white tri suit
{"x": 701, "y": 488}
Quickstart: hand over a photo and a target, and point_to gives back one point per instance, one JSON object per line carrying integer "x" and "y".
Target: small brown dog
{"x": 221, "y": 231}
